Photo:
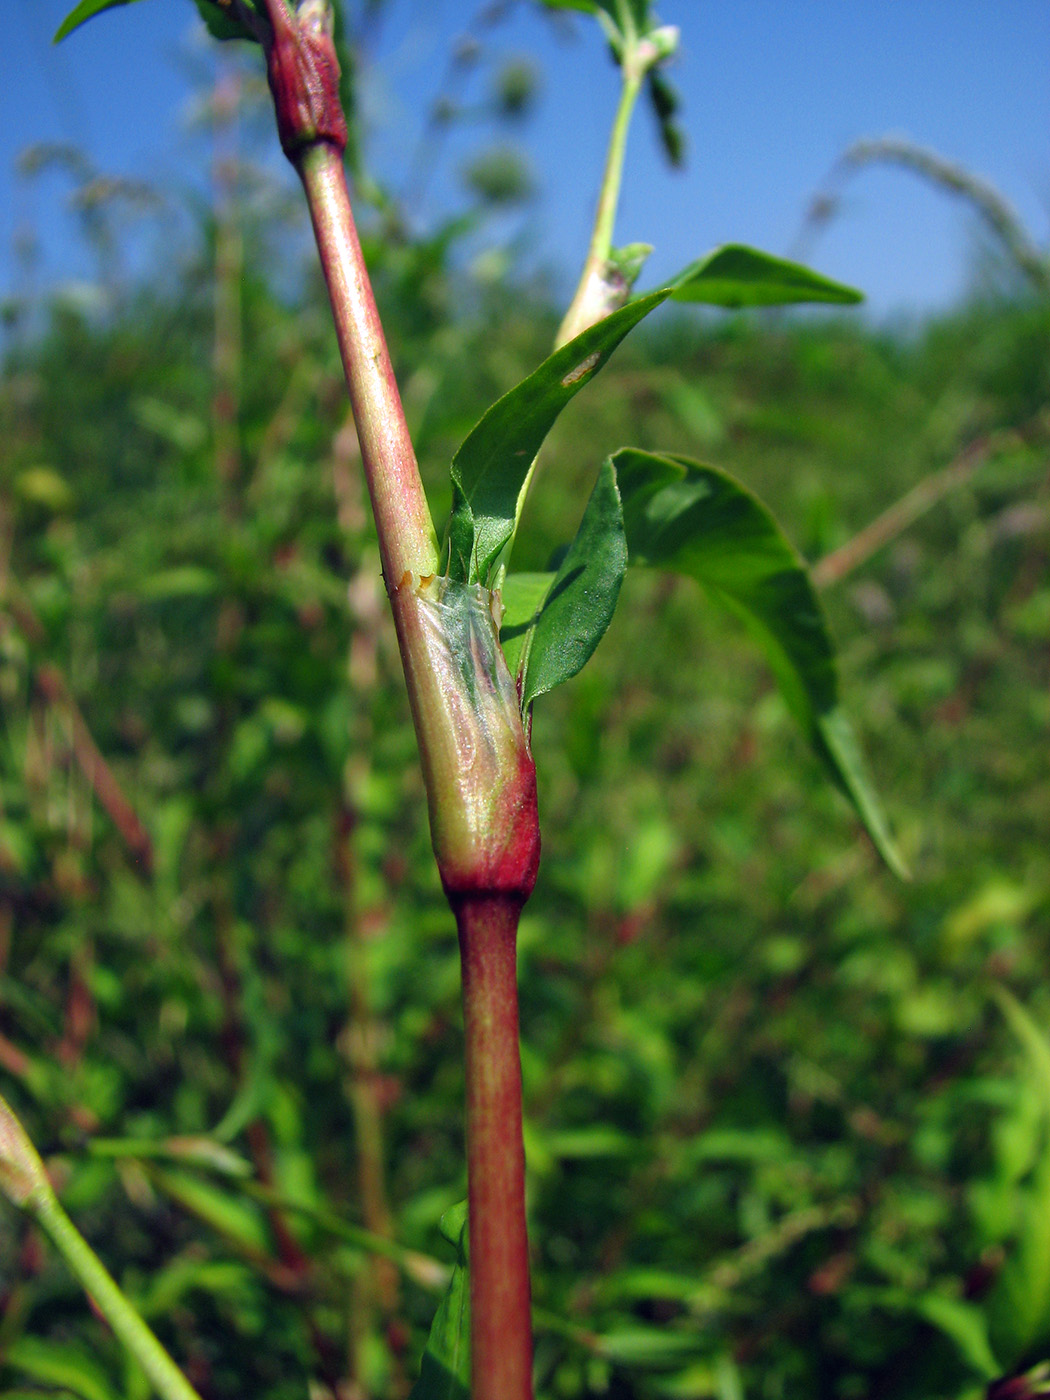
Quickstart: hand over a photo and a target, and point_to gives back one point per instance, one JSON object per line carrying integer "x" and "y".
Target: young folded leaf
{"x": 480, "y": 777}
{"x": 697, "y": 520}
{"x": 577, "y": 604}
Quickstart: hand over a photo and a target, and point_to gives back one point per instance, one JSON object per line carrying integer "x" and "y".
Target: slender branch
{"x": 167, "y": 1379}
{"x": 600, "y": 290}
{"x": 501, "y": 1341}
{"x": 24, "y": 1181}
{"x": 903, "y": 513}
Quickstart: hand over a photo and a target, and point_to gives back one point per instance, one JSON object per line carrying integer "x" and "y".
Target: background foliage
{"x": 782, "y": 1139}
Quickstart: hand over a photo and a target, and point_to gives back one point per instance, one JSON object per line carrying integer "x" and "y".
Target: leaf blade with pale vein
{"x": 697, "y": 520}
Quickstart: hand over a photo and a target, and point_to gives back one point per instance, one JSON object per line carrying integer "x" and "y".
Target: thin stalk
{"x": 166, "y": 1377}
{"x": 406, "y": 533}
{"x": 595, "y": 294}
{"x": 25, "y": 1183}
{"x": 591, "y": 291}
{"x": 501, "y": 1335}
{"x": 903, "y": 513}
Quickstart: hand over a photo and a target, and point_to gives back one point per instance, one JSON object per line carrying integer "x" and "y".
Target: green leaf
{"x": 180, "y": 581}
{"x": 737, "y": 276}
{"x": 80, "y": 14}
{"x": 836, "y": 744}
{"x": 492, "y": 466}
{"x": 221, "y": 24}
{"x": 963, "y": 1323}
{"x": 1020, "y": 1304}
{"x": 522, "y": 596}
{"x": 625, "y": 264}
{"x": 61, "y": 1364}
{"x": 236, "y": 1219}
{"x": 967, "y": 1326}
{"x": 665, "y": 103}
{"x": 648, "y": 1346}
{"x": 445, "y": 1372}
{"x": 697, "y": 520}
{"x": 1032, "y": 1039}
{"x": 579, "y": 605}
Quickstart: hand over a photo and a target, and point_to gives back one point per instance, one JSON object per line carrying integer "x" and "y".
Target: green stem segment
{"x": 589, "y": 304}
{"x": 501, "y": 1336}
{"x": 24, "y": 1181}
{"x": 166, "y": 1377}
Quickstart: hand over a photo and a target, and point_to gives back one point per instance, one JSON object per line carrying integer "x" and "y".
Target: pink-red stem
{"x": 501, "y": 1331}
{"x": 406, "y": 532}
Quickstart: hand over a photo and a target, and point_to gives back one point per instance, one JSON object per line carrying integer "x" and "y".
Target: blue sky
{"x": 773, "y": 91}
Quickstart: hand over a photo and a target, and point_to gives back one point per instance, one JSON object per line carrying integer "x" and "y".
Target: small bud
{"x": 22, "y": 1174}
{"x": 664, "y": 41}
{"x": 657, "y": 46}
{"x": 303, "y": 72}
{"x": 1030, "y": 1386}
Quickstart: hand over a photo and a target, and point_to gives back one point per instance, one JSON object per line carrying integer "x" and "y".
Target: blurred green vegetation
{"x": 781, "y": 1139}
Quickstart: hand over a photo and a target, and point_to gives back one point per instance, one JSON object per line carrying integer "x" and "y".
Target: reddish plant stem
{"x": 52, "y": 685}
{"x": 487, "y": 851}
{"x": 902, "y": 514}
{"x": 501, "y": 1335}
{"x": 406, "y": 532}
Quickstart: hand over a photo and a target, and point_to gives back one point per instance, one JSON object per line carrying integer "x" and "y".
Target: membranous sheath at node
{"x": 480, "y": 778}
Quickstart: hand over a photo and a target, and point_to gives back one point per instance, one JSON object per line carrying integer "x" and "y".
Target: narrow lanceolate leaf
{"x": 665, "y": 103}
{"x": 739, "y": 276}
{"x": 697, "y": 520}
{"x": 491, "y": 467}
{"x": 578, "y": 606}
{"x": 637, "y": 11}
{"x": 80, "y": 14}
{"x": 58, "y": 1363}
{"x": 445, "y": 1372}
